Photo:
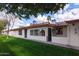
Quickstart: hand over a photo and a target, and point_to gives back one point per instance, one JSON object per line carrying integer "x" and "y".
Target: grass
{"x": 20, "y": 47}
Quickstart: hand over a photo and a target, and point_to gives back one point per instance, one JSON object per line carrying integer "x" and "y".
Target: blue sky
{"x": 73, "y": 5}
{"x": 67, "y": 8}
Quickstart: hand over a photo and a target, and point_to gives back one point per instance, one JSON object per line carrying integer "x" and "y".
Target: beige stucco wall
{"x": 15, "y": 33}
{"x": 62, "y": 39}
{"x": 74, "y": 35}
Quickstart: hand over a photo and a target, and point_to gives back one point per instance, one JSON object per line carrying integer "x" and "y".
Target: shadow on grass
{"x": 21, "y": 47}
{"x": 5, "y": 50}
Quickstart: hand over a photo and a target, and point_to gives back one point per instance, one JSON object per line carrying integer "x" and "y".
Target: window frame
{"x": 20, "y": 31}
{"x": 31, "y": 32}
{"x": 41, "y": 33}
{"x": 58, "y": 29}
{"x": 36, "y": 32}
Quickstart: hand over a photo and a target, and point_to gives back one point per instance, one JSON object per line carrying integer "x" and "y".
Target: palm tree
{"x": 49, "y": 19}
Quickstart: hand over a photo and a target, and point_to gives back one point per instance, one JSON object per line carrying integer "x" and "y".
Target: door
{"x": 25, "y": 33}
{"x": 49, "y": 37}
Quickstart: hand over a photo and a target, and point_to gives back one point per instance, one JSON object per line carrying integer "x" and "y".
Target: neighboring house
{"x": 65, "y": 33}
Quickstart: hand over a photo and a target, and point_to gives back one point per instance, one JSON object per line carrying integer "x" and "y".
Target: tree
{"x": 10, "y": 22}
{"x": 10, "y": 19}
{"x": 2, "y": 25}
{"x": 23, "y": 10}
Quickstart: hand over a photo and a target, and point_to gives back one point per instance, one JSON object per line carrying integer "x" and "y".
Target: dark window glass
{"x": 31, "y": 32}
{"x": 42, "y": 32}
{"x": 36, "y": 32}
{"x": 54, "y": 32}
{"x": 57, "y": 31}
{"x": 20, "y": 32}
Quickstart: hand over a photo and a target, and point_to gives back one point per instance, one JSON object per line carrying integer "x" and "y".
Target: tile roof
{"x": 40, "y": 25}
{"x": 73, "y": 21}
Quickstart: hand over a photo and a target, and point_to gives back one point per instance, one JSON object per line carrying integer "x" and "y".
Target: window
{"x": 42, "y": 32}
{"x": 31, "y": 32}
{"x": 20, "y": 32}
{"x": 36, "y": 32}
{"x": 57, "y": 31}
{"x": 54, "y": 32}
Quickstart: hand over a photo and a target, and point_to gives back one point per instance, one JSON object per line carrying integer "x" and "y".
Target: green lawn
{"x": 20, "y": 47}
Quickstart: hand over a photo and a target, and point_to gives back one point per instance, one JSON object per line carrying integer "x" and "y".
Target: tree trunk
{"x": 8, "y": 32}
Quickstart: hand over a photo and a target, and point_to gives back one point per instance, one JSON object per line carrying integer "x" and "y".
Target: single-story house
{"x": 65, "y": 33}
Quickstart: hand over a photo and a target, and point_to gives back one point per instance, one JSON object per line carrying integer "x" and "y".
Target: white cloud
{"x": 19, "y": 23}
{"x": 67, "y": 15}
{"x": 41, "y": 18}
{"x": 66, "y": 7}
{"x": 76, "y": 11}
{"x": 60, "y": 11}
{"x": 73, "y": 14}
